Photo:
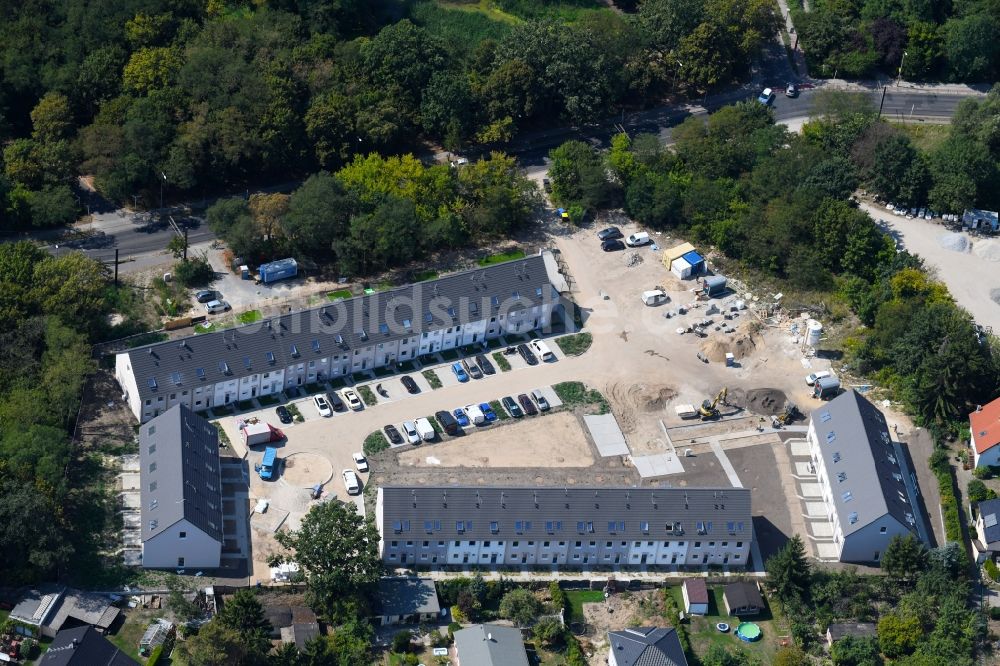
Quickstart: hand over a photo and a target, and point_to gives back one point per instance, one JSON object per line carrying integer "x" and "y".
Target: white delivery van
{"x": 425, "y": 429}
{"x": 476, "y": 416}
{"x": 542, "y": 350}
{"x": 654, "y": 297}
{"x": 812, "y": 377}
{"x": 637, "y": 239}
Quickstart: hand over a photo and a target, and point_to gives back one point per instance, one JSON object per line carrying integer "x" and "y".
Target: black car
{"x": 447, "y": 422}
{"x": 409, "y": 384}
{"x": 511, "y": 406}
{"x": 546, "y": 184}
{"x": 527, "y": 354}
{"x": 206, "y": 296}
{"x": 526, "y": 404}
{"x": 472, "y": 369}
{"x": 612, "y": 245}
{"x": 791, "y": 90}
{"x": 610, "y": 233}
{"x": 393, "y": 434}
{"x": 284, "y": 415}
{"x": 485, "y": 365}
{"x": 334, "y": 399}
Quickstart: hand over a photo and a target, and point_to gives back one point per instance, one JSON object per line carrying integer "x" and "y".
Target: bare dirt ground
{"x": 970, "y": 276}
{"x": 561, "y": 443}
{"x": 619, "y": 611}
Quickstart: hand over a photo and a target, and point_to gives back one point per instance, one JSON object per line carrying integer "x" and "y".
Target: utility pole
{"x": 161, "y": 188}
{"x": 899, "y": 75}
{"x": 882, "y": 103}
{"x": 185, "y": 243}
{"x": 116, "y": 267}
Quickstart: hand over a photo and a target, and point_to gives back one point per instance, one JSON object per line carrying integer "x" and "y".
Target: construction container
{"x": 676, "y": 253}
{"x": 697, "y": 262}
{"x": 713, "y": 285}
{"x": 258, "y": 433}
{"x": 244, "y": 272}
{"x": 681, "y": 268}
{"x": 826, "y": 388}
{"x": 814, "y": 330}
{"x": 278, "y": 270}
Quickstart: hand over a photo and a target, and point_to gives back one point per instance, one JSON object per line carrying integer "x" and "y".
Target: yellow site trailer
{"x": 675, "y": 253}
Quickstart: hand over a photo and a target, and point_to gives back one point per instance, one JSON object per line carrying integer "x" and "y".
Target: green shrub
{"x": 574, "y": 394}
{"x": 155, "y": 656}
{"x": 574, "y": 345}
{"x": 195, "y": 272}
{"x": 983, "y": 472}
{"x": 995, "y": 612}
{"x": 452, "y": 628}
{"x": 368, "y": 396}
{"x": 501, "y": 361}
{"x": 992, "y": 571}
{"x": 401, "y": 642}
{"x": 374, "y": 443}
{"x": 977, "y": 491}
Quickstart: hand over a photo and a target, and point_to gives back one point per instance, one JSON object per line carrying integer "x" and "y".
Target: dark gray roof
{"x": 722, "y": 512}
{"x": 336, "y": 328}
{"x": 84, "y": 646}
{"x": 857, "y": 629}
{"x": 647, "y": 646}
{"x": 490, "y": 645}
{"x": 38, "y": 604}
{"x": 743, "y": 595}
{"x": 697, "y": 590}
{"x": 179, "y": 457}
{"x": 407, "y": 596}
{"x": 990, "y": 511}
{"x": 865, "y": 476}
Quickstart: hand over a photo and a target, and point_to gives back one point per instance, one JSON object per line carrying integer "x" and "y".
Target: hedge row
{"x": 939, "y": 464}
{"x": 992, "y": 571}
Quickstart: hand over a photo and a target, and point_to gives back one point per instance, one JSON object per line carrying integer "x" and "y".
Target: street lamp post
{"x": 161, "y": 188}
{"x": 899, "y": 75}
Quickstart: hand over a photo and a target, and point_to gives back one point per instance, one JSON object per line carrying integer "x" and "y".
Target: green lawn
{"x": 128, "y": 635}
{"x": 501, "y": 257}
{"x": 340, "y": 294}
{"x": 575, "y": 394}
{"x": 925, "y": 137}
{"x": 206, "y": 327}
{"x": 703, "y": 633}
{"x": 432, "y": 378}
{"x": 485, "y": 8}
{"x": 374, "y": 443}
{"x": 367, "y": 396}
{"x": 424, "y": 276}
{"x": 501, "y": 361}
{"x": 577, "y": 598}
{"x": 250, "y": 316}
{"x": 502, "y": 414}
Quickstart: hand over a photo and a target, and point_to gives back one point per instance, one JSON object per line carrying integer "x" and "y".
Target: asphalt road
{"x": 140, "y": 238}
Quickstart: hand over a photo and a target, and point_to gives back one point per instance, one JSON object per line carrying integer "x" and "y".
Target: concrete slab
{"x": 815, "y": 509}
{"x": 811, "y": 490}
{"x": 446, "y": 376}
{"x": 607, "y": 435}
{"x": 803, "y": 469}
{"x": 551, "y": 396}
{"x": 799, "y": 448}
{"x": 821, "y": 529}
{"x": 826, "y": 551}
{"x": 663, "y": 464}
{"x": 130, "y": 480}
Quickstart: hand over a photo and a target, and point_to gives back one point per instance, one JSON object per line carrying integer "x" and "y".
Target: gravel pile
{"x": 988, "y": 250}
{"x": 956, "y": 242}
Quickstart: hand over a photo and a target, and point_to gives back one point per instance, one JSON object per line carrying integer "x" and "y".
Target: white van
{"x": 812, "y": 377}
{"x": 476, "y": 416}
{"x": 425, "y": 429}
{"x": 542, "y": 350}
{"x": 637, "y": 239}
{"x": 654, "y": 297}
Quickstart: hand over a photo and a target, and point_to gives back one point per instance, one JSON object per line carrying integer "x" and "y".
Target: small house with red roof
{"x": 984, "y": 424}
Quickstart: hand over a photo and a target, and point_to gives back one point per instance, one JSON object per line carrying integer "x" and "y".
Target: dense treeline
{"x": 51, "y": 307}
{"x": 378, "y": 213}
{"x": 919, "y": 606}
{"x": 955, "y": 41}
{"x": 193, "y": 96}
{"x": 778, "y": 203}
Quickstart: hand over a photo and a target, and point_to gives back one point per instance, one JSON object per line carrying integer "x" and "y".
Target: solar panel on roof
{"x": 152, "y": 382}
{"x": 990, "y": 520}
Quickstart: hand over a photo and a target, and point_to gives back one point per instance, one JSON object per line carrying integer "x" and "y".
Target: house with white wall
{"x": 984, "y": 434}
{"x": 339, "y": 338}
{"x": 181, "y": 492}
{"x": 869, "y": 491}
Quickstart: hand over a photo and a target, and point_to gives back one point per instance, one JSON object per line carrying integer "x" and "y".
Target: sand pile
{"x": 987, "y": 249}
{"x": 957, "y": 242}
{"x": 739, "y": 345}
{"x": 768, "y": 401}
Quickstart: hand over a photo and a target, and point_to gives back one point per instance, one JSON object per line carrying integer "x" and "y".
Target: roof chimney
{"x": 979, "y": 408}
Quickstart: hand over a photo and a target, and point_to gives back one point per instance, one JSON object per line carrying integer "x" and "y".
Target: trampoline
{"x": 723, "y": 627}
{"x": 748, "y": 632}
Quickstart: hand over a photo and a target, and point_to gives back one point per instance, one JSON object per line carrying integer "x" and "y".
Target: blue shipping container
{"x": 697, "y": 262}
{"x": 278, "y": 270}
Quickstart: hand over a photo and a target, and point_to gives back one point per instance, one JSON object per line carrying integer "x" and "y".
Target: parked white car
{"x": 476, "y": 416}
{"x": 352, "y": 400}
{"x": 351, "y": 482}
{"x": 360, "y": 461}
{"x": 542, "y": 350}
{"x": 637, "y": 239}
{"x": 410, "y": 430}
{"x": 812, "y": 377}
{"x": 322, "y": 406}
{"x": 214, "y": 307}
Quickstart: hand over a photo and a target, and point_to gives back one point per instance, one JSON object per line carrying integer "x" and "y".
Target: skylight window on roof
{"x": 339, "y": 339}
{"x": 474, "y": 307}
{"x": 515, "y": 294}
{"x": 270, "y": 357}
{"x": 451, "y": 313}
{"x": 830, "y": 436}
{"x": 315, "y": 345}
{"x": 153, "y": 524}
{"x": 383, "y": 329}
{"x": 853, "y": 517}
{"x": 459, "y": 526}
{"x": 407, "y": 324}
{"x": 836, "y": 456}
{"x": 841, "y": 476}
{"x": 494, "y": 527}
{"x": 200, "y": 372}
{"x": 363, "y": 334}
{"x": 152, "y": 383}
{"x": 429, "y": 318}
{"x": 824, "y": 416}
{"x": 175, "y": 377}
{"x": 990, "y": 520}
{"x": 496, "y": 301}
{"x": 247, "y": 363}
{"x": 848, "y": 496}
{"x": 538, "y": 292}
{"x": 223, "y": 367}
{"x": 295, "y": 351}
